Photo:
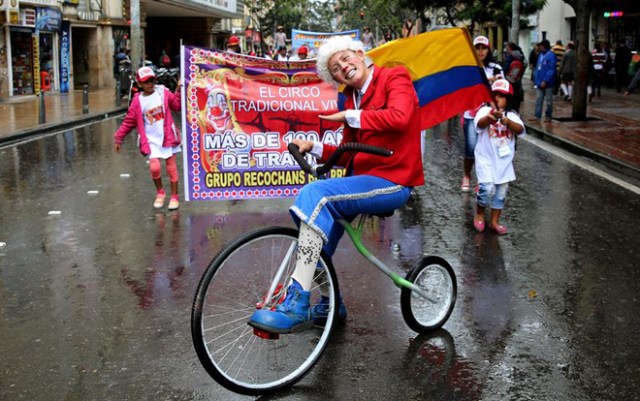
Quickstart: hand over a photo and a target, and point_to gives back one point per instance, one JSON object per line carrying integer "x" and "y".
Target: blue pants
{"x": 542, "y": 95}
{"x": 490, "y": 194}
{"x": 320, "y": 203}
{"x": 470, "y": 138}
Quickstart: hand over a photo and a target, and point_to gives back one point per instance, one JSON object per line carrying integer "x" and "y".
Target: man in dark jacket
{"x": 621, "y": 63}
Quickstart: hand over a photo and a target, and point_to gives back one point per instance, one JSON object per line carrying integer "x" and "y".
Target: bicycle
{"x": 252, "y": 272}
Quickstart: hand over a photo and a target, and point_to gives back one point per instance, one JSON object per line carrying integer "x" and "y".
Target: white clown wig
{"x": 328, "y": 49}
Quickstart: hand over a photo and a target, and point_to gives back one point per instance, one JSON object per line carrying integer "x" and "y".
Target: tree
{"x": 308, "y": 15}
{"x": 582, "y": 8}
{"x": 379, "y": 15}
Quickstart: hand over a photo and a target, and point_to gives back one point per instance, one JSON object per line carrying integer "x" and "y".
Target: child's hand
{"x": 497, "y": 114}
{"x": 118, "y": 147}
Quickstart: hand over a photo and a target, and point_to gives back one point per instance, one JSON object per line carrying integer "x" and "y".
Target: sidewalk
{"x": 613, "y": 138}
{"x": 20, "y": 114}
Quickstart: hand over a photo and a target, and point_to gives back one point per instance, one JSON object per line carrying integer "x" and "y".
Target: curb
{"x": 616, "y": 165}
{"x": 48, "y": 128}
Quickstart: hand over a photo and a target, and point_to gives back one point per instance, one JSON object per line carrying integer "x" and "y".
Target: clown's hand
{"x": 339, "y": 117}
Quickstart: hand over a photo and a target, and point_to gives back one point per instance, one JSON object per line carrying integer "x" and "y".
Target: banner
{"x": 239, "y": 114}
{"x": 313, "y": 40}
{"x": 445, "y": 70}
{"x": 65, "y": 38}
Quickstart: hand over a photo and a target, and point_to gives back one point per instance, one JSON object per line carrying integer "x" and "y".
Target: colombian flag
{"x": 445, "y": 70}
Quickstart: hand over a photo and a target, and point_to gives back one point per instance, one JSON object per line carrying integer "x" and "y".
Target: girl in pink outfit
{"x": 158, "y": 137}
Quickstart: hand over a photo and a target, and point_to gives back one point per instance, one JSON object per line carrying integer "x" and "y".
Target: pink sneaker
{"x": 499, "y": 229}
{"x": 466, "y": 184}
{"x": 478, "y": 225}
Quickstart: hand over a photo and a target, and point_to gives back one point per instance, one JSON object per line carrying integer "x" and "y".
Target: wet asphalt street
{"x": 95, "y": 301}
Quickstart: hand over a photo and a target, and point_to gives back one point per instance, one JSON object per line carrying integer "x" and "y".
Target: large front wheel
{"x": 235, "y": 284}
{"x": 436, "y": 278}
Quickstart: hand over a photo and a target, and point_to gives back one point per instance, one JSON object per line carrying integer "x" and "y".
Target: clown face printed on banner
{"x": 217, "y": 110}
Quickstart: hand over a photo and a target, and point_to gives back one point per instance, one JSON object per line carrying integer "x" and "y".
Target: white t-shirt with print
{"x": 153, "y": 116}
{"x": 495, "y": 149}
{"x": 489, "y": 73}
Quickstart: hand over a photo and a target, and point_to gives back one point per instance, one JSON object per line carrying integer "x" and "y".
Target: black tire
{"x": 233, "y": 286}
{"x": 436, "y": 277}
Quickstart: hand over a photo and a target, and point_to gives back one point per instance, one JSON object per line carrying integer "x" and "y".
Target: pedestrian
{"x": 567, "y": 72}
{"x": 533, "y": 61}
{"x": 233, "y": 45}
{"x": 281, "y": 55}
{"x": 492, "y": 71}
{"x": 559, "y": 50}
{"x": 514, "y": 66}
{"x": 381, "y": 109}
{"x": 164, "y": 60}
{"x": 497, "y": 128}
{"x": 303, "y": 52}
{"x": 621, "y": 63}
{"x": 408, "y": 28}
{"x": 158, "y": 136}
{"x": 120, "y": 56}
{"x": 545, "y": 80}
{"x": 634, "y": 65}
{"x": 600, "y": 60}
{"x": 368, "y": 39}
{"x": 635, "y": 82}
{"x": 280, "y": 38}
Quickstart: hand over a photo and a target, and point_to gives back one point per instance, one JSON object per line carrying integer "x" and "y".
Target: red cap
{"x": 233, "y": 41}
{"x": 144, "y": 74}
{"x": 303, "y": 50}
{"x": 502, "y": 86}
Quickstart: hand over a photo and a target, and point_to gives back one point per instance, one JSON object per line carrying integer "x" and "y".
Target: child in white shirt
{"x": 494, "y": 153}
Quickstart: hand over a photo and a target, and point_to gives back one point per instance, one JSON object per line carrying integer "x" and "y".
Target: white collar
{"x": 367, "y": 82}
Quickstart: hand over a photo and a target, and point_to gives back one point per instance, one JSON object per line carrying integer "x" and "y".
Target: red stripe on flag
{"x": 445, "y": 107}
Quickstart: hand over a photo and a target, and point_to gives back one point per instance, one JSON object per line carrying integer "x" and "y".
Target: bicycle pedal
{"x": 277, "y": 298}
{"x": 267, "y": 335}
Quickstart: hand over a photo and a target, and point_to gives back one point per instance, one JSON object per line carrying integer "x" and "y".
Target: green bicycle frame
{"x": 355, "y": 233}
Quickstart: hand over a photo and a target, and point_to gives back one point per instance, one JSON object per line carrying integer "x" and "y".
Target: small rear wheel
{"x": 233, "y": 287}
{"x": 434, "y": 276}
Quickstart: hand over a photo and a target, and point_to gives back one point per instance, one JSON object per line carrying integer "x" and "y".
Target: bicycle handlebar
{"x": 331, "y": 161}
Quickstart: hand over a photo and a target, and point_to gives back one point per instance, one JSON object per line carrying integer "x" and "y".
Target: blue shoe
{"x": 291, "y": 315}
{"x": 320, "y": 311}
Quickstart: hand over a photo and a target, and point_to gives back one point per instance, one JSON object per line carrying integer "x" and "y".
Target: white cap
{"x": 145, "y": 73}
{"x": 481, "y": 40}
{"x": 502, "y": 86}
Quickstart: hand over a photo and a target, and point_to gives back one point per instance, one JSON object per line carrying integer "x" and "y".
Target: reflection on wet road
{"x": 95, "y": 301}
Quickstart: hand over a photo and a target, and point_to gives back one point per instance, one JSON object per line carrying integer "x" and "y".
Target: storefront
{"x": 23, "y": 47}
{"x": 34, "y": 49}
{"x": 48, "y": 24}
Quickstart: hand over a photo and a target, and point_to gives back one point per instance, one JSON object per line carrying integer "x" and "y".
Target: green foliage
{"x": 380, "y": 15}
{"x": 376, "y": 14}
{"x": 311, "y": 15}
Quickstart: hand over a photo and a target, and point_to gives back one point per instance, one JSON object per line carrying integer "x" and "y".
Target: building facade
{"x": 63, "y": 45}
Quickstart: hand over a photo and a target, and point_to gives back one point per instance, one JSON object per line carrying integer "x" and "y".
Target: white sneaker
{"x": 159, "y": 202}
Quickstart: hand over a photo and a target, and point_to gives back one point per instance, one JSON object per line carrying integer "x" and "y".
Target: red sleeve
{"x": 400, "y": 96}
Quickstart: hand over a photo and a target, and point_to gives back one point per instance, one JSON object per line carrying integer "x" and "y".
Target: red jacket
{"x": 134, "y": 119}
{"x": 390, "y": 119}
